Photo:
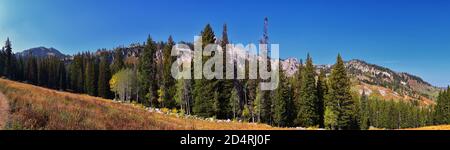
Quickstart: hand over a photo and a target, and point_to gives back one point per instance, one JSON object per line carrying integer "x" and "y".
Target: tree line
{"x": 391, "y": 114}
{"x": 306, "y": 99}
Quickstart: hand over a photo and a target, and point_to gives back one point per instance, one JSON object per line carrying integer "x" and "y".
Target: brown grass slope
{"x": 4, "y": 110}
{"x": 36, "y": 108}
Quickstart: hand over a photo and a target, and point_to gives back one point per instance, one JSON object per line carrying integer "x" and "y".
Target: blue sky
{"x": 408, "y": 36}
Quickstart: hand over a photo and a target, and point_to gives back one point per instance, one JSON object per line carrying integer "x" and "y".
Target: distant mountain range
{"x": 42, "y": 52}
{"x": 381, "y": 80}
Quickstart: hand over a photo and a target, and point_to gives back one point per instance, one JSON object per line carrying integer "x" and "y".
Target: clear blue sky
{"x": 409, "y": 36}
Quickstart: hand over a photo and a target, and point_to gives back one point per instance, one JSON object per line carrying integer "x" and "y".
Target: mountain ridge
{"x": 42, "y": 51}
{"x": 401, "y": 84}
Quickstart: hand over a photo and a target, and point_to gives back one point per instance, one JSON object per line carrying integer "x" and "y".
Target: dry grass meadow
{"x": 438, "y": 127}
{"x": 37, "y": 108}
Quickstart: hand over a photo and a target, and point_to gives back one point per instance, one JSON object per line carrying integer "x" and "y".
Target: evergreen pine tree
{"x": 322, "y": 91}
{"x": 117, "y": 63}
{"x": 364, "y": 112}
{"x": 204, "y": 89}
{"x": 283, "y": 103}
{"x": 90, "y": 82}
{"x": 147, "y": 72}
{"x": 266, "y": 101}
{"x": 76, "y": 70}
{"x": 340, "y": 98}
{"x": 297, "y": 84}
{"x": 104, "y": 75}
{"x": 308, "y": 113}
{"x": 9, "y": 68}
{"x": 224, "y": 86}
{"x": 168, "y": 80}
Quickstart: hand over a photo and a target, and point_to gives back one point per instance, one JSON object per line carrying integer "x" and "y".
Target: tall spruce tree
{"x": 118, "y": 59}
{"x": 90, "y": 82}
{"x": 147, "y": 72}
{"x": 308, "y": 113}
{"x": 322, "y": 91}
{"x": 364, "y": 112}
{"x": 9, "y": 68}
{"x": 76, "y": 70}
{"x": 297, "y": 83}
{"x": 104, "y": 75}
{"x": 266, "y": 107}
{"x": 224, "y": 86}
{"x": 204, "y": 89}
{"x": 296, "y": 87}
{"x": 283, "y": 103}
{"x": 168, "y": 80}
{"x": 340, "y": 98}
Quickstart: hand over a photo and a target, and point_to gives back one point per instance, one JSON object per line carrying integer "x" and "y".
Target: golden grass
{"x": 37, "y": 108}
{"x": 4, "y": 110}
{"x": 438, "y": 127}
